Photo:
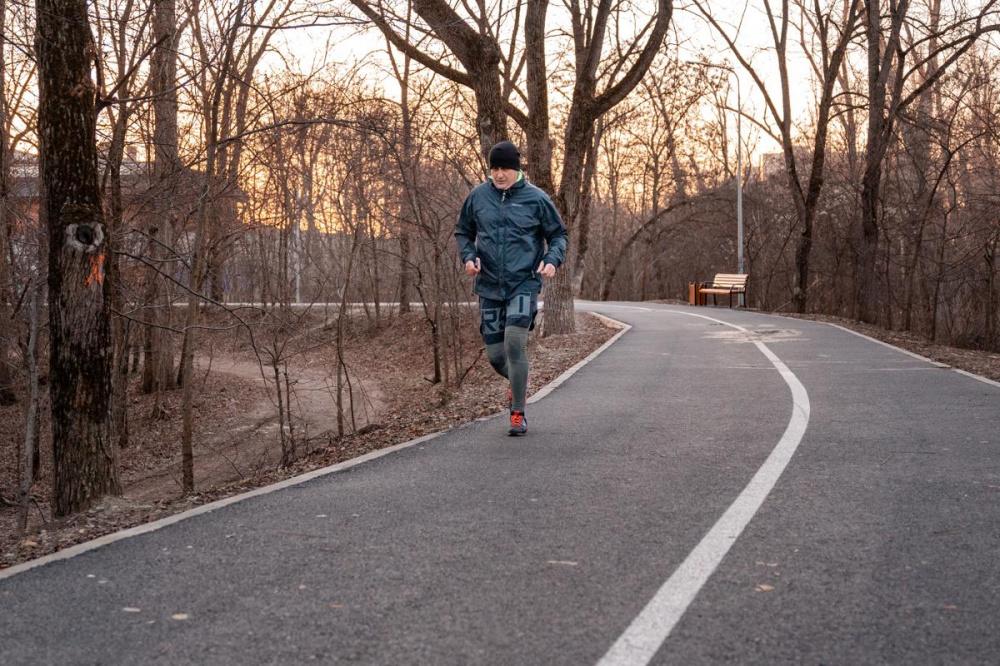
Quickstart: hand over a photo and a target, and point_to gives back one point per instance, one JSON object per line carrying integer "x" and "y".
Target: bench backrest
{"x": 730, "y": 281}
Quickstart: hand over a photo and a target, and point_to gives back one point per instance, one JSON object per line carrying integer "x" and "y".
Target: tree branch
{"x": 409, "y": 49}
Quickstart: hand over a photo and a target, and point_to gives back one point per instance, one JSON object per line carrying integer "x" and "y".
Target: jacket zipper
{"x": 503, "y": 244}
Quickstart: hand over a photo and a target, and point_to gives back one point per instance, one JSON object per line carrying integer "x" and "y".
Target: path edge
{"x": 94, "y": 544}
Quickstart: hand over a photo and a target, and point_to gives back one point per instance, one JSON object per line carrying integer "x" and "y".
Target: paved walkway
{"x": 717, "y": 485}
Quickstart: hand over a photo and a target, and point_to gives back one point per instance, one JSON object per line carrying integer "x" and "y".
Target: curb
{"x": 94, "y": 544}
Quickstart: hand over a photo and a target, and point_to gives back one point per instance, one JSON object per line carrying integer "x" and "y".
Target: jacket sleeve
{"x": 555, "y": 233}
{"x": 465, "y": 232}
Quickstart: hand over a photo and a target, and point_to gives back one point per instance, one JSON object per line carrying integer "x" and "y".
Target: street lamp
{"x": 739, "y": 168}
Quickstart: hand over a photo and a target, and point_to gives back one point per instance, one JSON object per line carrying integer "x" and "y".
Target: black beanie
{"x": 505, "y": 156}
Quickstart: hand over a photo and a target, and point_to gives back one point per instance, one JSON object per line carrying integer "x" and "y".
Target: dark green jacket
{"x": 508, "y": 231}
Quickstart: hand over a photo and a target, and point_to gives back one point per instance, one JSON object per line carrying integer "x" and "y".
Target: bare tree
{"x": 826, "y": 58}
{"x": 7, "y": 396}
{"x": 475, "y": 48}
{"x": 891, "y": 67}
{"x": 198, "y": 261}
{"x": 85, "y": 454}
{"x": 158, "y": 366}
{"x": 486, "y": 64}
{"x": 620, "y": 75}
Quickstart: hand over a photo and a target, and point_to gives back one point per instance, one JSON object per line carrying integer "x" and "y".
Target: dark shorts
{"x": 496, "y": 316}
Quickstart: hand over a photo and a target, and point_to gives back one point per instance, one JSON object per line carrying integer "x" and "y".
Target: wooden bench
{"x": 732, "y": 284}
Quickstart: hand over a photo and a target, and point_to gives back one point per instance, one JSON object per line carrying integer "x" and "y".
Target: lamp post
{"x": 739, "y": 169}
{"x": 739, "y": 179}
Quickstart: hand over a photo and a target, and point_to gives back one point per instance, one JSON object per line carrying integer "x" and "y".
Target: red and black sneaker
{"x": 518, "y": 424}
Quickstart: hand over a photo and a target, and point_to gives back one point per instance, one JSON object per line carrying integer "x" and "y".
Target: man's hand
{"x": 546, "y": 270}
{"x": 472, "y": 267}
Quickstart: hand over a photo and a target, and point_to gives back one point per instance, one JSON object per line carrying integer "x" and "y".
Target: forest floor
{"x": 236, "y": 428}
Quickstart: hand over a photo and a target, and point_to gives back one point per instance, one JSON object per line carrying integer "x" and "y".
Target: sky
{"x": 744, "y": 20}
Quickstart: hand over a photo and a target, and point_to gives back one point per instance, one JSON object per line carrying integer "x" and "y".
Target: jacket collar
{"x": 522, "y": 180}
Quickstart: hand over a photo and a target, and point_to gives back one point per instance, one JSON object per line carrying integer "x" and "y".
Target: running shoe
{"x": 518, "y": 424}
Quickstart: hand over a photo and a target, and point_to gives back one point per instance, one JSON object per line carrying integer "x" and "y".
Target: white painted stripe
{"x": 936, "y": 364}
{"x": 650, "y": 628}
{"x": 621, "y": 307}
{"x": 886, "y": 344}
{"x": 558, "y": 381}
{"x": 94, "y": 544}
{"x": 978, "y": 378}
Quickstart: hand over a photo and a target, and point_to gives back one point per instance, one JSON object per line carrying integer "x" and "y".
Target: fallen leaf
{"x": 179, "y": 616}
{"x": 567, "y": 563}
{"x": 131, "y": 609}
{"x": 763, "y": 587}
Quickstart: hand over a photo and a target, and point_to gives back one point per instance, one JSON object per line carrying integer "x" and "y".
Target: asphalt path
{"x": 717, "y": 485}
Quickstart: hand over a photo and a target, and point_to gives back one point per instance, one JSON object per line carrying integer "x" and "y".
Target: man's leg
{"x": 491, "y": 327}
{"x": 520, "y": 318}
{"x": 515, "y": 344}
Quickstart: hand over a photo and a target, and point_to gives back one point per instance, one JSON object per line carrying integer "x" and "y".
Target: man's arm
{"x": 465, "y": 233}
{"x": 555, "y": 234}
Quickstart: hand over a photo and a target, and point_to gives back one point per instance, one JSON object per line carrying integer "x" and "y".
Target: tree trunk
{"x": 559, "y": 306}
{"x": 992, "y": 293}
{"x": 85, "y": 455}
{"x": 7, "y": 395}
{"x": 585, "y": 109}
{"x": 198, "y": 259}
{"x": 158, "y": 373}
{"x": 29, "y": 452}
{"x": 113, "y": 194}
{"x": 539, "y": 149}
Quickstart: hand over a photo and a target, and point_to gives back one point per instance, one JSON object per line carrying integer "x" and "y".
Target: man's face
{"x": 503, "y": 178}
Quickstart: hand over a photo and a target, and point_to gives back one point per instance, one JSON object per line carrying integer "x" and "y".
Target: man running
{"x": 502, "y": 233}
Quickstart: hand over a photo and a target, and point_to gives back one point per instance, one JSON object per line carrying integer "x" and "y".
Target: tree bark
{"x": 158, "y": 371}
{"x": 199, "y": 259}
{"x": 878, "y": 125}
{"x": 539, "y": 149}
{"x": 7, "y": 395}
{"x": 119, "y": 327}
{"x": 85, "y": 455}
{"x": 29, "y": 452}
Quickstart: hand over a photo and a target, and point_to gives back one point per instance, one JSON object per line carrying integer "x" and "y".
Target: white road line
{"x": 894, "y": 347}
{"x": 557, "y": 382}
{"x": 650, "y": 628}
{"x": 978, "y": 378}
{"x": 94, "y": 544}
{"x": 936, "y": 364}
